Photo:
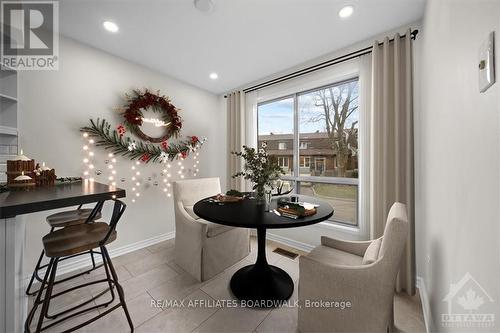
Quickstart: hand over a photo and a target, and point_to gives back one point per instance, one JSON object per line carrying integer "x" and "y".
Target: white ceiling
{"x": 241, "y": 40}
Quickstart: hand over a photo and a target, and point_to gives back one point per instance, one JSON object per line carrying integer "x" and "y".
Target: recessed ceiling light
{"x": 214, "y": 76}
{"x": 203, "y": 5}
{"x": 346, "y": 11}
{"x": 110, "y": 26}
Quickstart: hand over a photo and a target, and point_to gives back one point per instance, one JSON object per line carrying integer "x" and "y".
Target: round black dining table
{"x": 261, "y": 283}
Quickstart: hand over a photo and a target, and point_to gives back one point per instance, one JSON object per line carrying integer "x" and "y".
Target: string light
{"x": 113, "y": 172}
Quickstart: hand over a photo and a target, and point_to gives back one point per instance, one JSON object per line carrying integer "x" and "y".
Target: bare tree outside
{"x": 335, "y": 111}
{"x": 328, "y": 143}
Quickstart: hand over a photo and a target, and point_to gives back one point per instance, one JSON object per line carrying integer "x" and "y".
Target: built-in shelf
{"x": 6, "y": 130}
{"x": 7, "y": 97}
{"x": 9, "y": 139}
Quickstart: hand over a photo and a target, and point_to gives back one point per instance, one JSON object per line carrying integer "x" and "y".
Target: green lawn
{"x": 336, "y": 191}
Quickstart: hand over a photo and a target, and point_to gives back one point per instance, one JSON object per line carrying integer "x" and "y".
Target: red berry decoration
{"x": 194, "y": 140}
{"x": 121, "y": 130}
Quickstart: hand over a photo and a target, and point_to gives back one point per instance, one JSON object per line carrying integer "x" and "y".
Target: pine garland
{"x": 105, "y": 137}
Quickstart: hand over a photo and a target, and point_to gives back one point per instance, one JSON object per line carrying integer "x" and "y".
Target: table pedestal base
{"x": 265, "y": 285}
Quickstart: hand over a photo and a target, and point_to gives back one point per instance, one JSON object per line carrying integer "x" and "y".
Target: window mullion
{"x": 295, "y": 136}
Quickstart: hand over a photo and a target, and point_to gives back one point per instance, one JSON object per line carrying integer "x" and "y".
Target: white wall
{"x": 89, "y": 84}
{"x": 457, "y": 155}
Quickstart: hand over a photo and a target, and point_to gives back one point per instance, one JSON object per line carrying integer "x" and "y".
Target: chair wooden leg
{"x": 48, "y": 293}
{"x": 119, "y": 288}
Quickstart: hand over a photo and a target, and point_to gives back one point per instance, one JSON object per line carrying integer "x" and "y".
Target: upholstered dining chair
{"x": 362, "y": 273}
{"x": 202, "y": 248}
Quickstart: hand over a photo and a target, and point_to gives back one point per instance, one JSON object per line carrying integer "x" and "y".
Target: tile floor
{"x": 150, "y": 274}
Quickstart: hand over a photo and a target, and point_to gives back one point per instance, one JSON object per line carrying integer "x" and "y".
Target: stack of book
{"x": 295, "y": 210}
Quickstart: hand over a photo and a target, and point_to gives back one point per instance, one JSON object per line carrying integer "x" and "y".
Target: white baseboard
{"x": 424, "y": 298}
{"x": 289, "y": 242}
{"x": 85, "y": 261}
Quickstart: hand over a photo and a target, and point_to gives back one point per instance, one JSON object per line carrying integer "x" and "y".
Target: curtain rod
{"x": 313, "y": 68}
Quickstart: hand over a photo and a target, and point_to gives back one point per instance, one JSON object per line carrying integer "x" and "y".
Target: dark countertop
{"x": 51, "y": 197}
{"x": 248, "y": 214}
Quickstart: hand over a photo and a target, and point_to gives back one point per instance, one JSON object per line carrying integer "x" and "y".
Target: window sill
{"x": 340, "y": 227}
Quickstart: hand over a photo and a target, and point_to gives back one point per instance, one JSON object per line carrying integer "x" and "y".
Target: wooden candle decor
{"x": 44, "y": 176}
{"x": 22, "y": 173}
{"x": 20, "y": 166}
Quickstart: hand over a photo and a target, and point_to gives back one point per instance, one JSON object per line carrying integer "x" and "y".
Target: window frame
{"x": 304, "y": 159}
{"x": 284, "y": 158}
{"x": 295, "y": 177}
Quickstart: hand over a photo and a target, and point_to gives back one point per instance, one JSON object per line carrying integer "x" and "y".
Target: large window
{"x": 314, "y": 134}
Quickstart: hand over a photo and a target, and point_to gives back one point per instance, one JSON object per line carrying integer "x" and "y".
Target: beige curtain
{"x": 235, "y": 118}
{"x": 391, "y": 144}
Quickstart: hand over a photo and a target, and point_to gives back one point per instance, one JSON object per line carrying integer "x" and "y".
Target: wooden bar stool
{"x": 61, "y": 220}
{"x": 71, "y": 241}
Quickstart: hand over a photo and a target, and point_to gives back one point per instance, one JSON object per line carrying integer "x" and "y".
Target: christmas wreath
{"x": 139, "y": 101}
{"x": 119, "y": 144}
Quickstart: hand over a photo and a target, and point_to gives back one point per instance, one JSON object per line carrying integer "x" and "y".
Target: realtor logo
{"x": 30, "y": 35}
{"x": 469, "y": 305}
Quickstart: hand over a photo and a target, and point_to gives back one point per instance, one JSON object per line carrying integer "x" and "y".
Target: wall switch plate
{"x": 487, "y": 63}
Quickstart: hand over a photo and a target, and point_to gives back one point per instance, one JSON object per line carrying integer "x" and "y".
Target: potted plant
{"x": 260, "y": 168}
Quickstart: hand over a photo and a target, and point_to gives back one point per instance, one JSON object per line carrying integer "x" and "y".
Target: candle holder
{"x": 44, "y": 176}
